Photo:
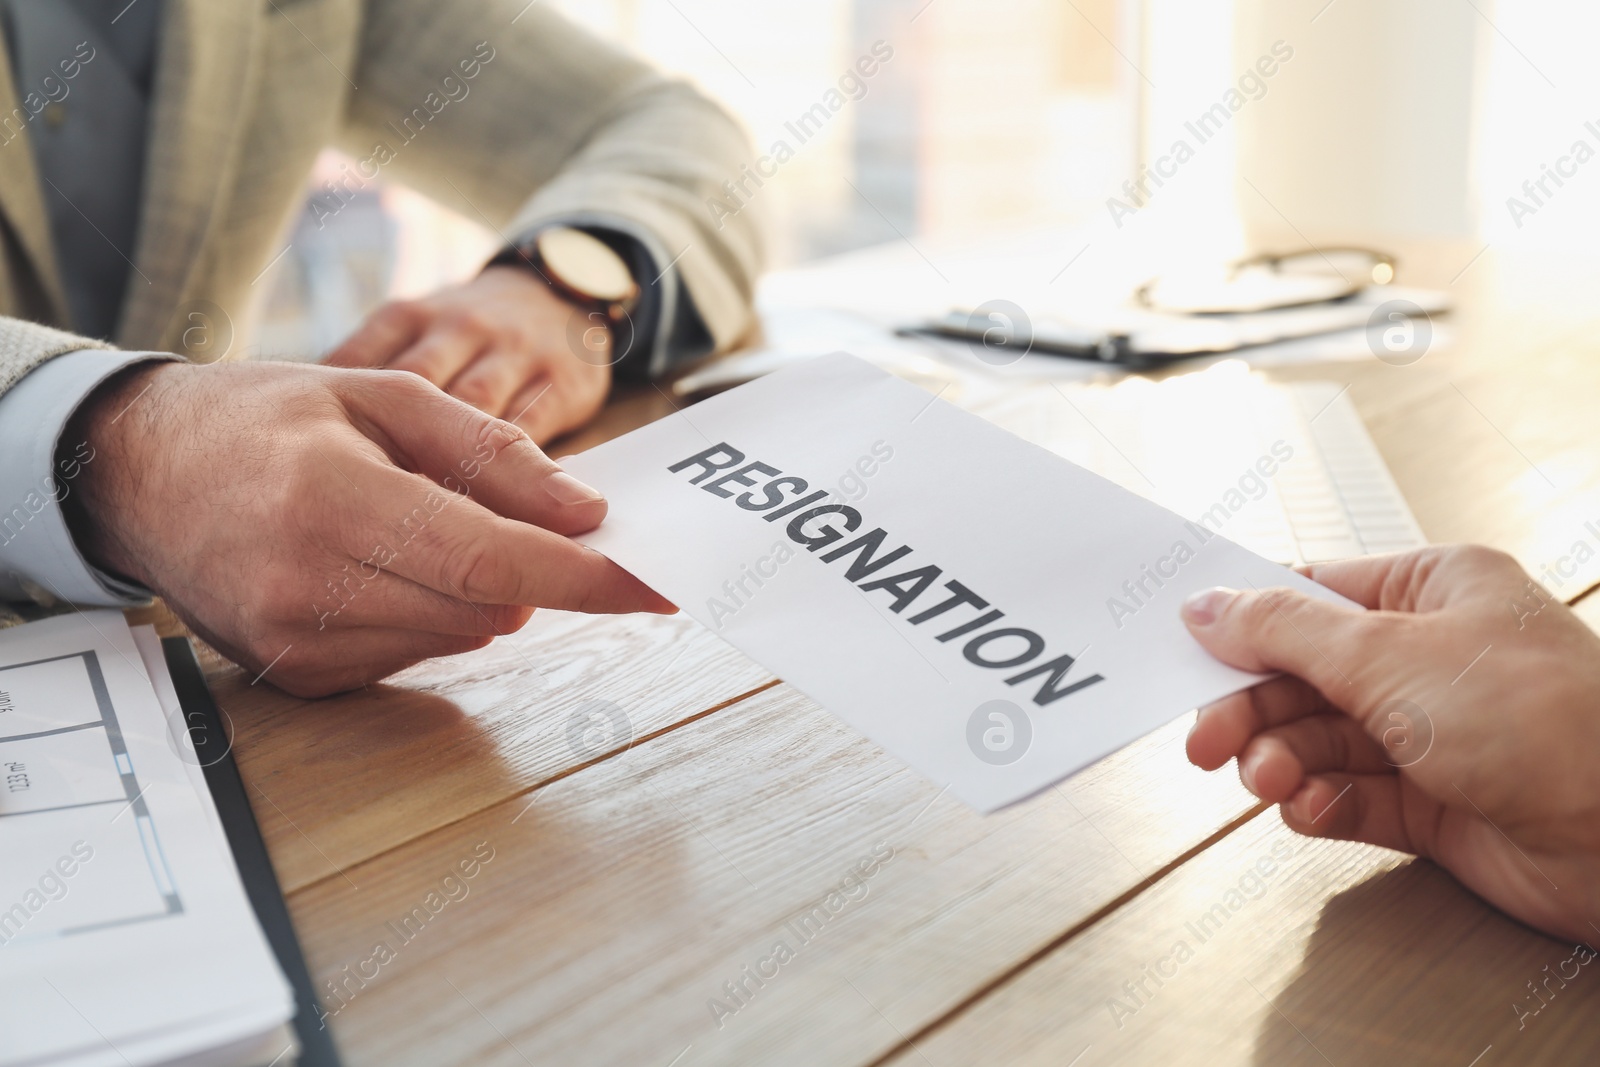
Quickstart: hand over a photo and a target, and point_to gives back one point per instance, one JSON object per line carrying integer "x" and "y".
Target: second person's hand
{"x": 503, "y": 342}
{"x": 1459, "y": 720}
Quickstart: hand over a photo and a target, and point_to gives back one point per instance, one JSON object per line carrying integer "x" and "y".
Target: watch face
{"x": 585, "y": 264}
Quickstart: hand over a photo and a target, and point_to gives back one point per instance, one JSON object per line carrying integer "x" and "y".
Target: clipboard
{"x": 1141, "y": 338}
{"x": 213, "y": 746}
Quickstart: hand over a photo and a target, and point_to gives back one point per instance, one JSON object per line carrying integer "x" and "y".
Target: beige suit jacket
{"x": 247, "y": 92}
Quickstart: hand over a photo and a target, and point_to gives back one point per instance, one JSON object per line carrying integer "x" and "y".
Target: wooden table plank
{"x": 1343, "y": 954}
{"x": 619, "y": 904}
{"x": 337, "y": 781}
{"x": 1334, "y": 952}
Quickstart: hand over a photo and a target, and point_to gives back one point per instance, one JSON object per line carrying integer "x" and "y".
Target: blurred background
{"x": 1381, "y": 121}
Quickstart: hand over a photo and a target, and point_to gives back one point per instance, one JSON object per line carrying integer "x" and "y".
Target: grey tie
{"x": 89, "y": 142}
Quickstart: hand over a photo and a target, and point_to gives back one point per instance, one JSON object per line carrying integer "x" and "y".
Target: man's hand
{"x": 329, "y": 527}
{"x": 1458, "y": 720}
{"x": 502, "y": 342}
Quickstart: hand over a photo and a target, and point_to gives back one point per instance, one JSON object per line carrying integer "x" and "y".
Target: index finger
{"x": 385, "y": 334}
{"x": 1222, "y": 730}
{"x": 450, "y": 543}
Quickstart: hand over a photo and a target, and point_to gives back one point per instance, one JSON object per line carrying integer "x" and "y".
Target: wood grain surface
{"x": 659, "y": 813}
{"x": 645, "y": 882}
{"x": 1321, "y": 952}
{"x": 1340, "y": 953}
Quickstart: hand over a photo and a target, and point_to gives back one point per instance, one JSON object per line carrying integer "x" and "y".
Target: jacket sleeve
{"x": 516, "y": 117}
{"x": 24, "y": 345}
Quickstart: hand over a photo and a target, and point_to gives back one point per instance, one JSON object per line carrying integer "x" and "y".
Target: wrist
{"x": 115, "y": 425}
{"x": 594, "y": 272}
{"x": 582, "y": 329}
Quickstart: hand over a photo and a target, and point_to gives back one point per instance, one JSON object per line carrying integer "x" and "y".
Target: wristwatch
{"x": 592, "y": 276}
{"x": 585, "y": 271}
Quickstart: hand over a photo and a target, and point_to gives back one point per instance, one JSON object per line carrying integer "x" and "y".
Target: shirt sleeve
{"x": 39, "y": 560}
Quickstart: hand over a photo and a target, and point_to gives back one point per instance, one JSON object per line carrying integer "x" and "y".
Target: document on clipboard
{"x": 127, "y": 935}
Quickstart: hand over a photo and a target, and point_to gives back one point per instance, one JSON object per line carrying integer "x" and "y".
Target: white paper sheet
{"x": 128, "y": 938}
{"x": 1052, "y": 546}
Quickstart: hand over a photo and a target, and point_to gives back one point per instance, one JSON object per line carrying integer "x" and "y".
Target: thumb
{"x": 1283, "y": 630}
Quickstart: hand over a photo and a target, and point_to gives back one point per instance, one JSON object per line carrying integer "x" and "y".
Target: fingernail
{"x": 565, "y": 489}
{"x": 1203, "y": 608}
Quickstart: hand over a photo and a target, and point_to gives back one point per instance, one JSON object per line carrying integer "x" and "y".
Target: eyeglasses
{"x": 1270, "y": 282}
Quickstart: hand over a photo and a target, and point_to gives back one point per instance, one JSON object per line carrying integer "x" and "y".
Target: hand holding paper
{"x": 956, "y": 594}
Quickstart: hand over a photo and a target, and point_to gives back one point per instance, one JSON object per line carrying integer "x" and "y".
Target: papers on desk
{"x": 126, "y": 937}
{"x": 957, "y": 348}
{"x": 986, "y": 611}
{"x": 1142, "y": 337}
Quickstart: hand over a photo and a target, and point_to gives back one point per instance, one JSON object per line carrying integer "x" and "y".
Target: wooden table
{"x": 630, "y": 887}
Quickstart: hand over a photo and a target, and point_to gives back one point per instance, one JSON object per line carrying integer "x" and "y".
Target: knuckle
{"x": 474, "y": 391}
{"x": 509, "y": 618}
{"x": 1485, "y": 557}
{"x": 593, "y": 589}
{"x": 398, "y": 313}
{"x": 403, "y": 384}
{"x": 584, "y": 602}
{"x": 478, "y": 572}
{"x": 299, "y": 483}
{"x": 415, "y": 530}
{"x": 494, "y": 437}
{"x": 1291, "y": 607}
{"x": 1264, "y": 608}
{"x": 1338, "y": 743}
{"x": 510, "y": 336}
{"x": 469, "y": 320}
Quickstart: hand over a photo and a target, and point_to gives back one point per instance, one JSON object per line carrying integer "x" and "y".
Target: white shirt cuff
{"x": 39, "y": 560}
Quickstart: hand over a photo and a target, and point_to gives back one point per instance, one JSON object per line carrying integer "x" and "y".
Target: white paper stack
{"x": 126, "y": 937}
